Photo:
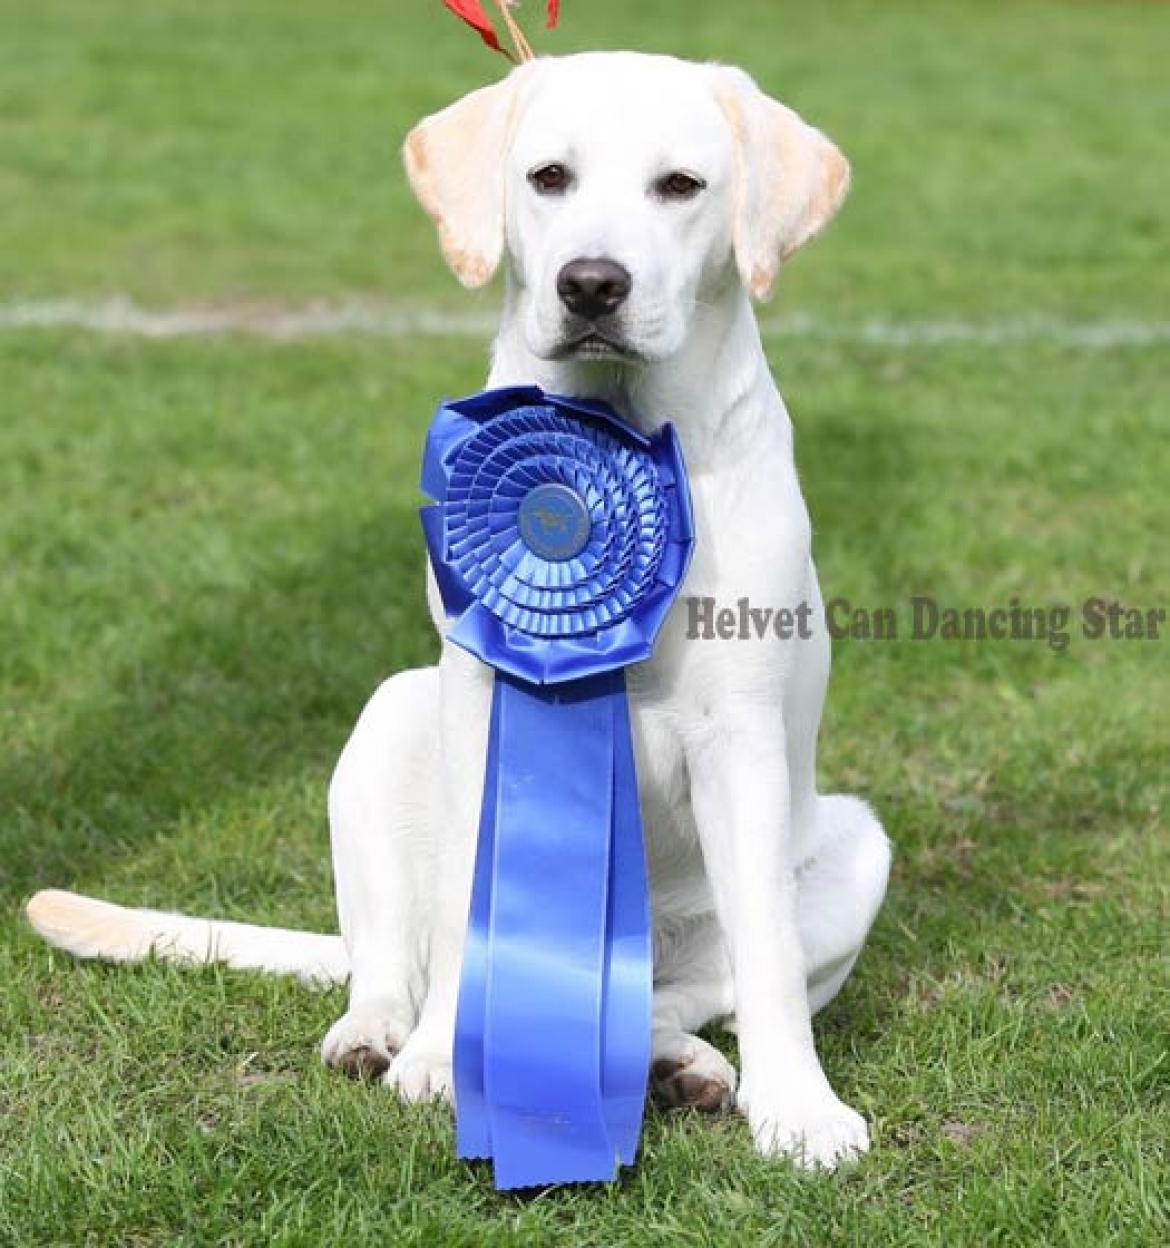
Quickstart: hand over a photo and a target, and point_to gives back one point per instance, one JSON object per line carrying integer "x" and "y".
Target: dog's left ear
{"x": 455, "y": 162}
{"x": 792, "y": 179}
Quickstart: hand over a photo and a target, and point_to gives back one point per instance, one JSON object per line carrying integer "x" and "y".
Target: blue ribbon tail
{"x": 628, "y": 987}
{"x": 472, "y": 1133}
{"x": 553, "y": 1039}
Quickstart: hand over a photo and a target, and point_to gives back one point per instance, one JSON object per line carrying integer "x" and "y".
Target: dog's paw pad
{"x": 363, "y": 1061}
{"x": 677, "y": 1088}
{"x": 693, "y": 1076}
{"x": 364, "y": 1042}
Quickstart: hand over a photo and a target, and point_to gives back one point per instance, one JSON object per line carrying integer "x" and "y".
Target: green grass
{"x": 210, "y": 557}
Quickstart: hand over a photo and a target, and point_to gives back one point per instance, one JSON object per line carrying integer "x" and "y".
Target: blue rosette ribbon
{"x": 559, "y": 538}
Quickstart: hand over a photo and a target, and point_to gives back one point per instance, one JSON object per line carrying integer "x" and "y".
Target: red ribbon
{"x": 475, "y": 15}
{"x": 472, "y": 12}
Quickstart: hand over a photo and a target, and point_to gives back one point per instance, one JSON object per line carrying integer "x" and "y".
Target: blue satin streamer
{"x": 629, "y": 971}
{"x": 552, "y": 1049}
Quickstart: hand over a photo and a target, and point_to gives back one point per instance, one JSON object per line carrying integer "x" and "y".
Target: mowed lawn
{"x": 209, "y": 556}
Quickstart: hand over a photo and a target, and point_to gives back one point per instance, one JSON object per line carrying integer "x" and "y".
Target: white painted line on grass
{"x": 120, "y": 315}
{"x": 321, "y": 319}
{"x": 1090, "y": 335}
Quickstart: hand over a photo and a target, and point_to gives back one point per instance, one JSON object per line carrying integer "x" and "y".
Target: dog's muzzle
{"x": 593, "y": 294}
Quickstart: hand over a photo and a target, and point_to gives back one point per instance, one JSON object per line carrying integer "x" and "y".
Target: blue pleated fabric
{"x": 559, "y": 537}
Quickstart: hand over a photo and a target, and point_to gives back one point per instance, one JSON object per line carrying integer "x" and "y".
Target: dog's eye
{"x": 550, "y": 179}
{"x": 679, "y": 185}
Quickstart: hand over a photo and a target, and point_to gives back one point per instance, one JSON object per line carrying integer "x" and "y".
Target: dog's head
{"x": 624, "y": 190}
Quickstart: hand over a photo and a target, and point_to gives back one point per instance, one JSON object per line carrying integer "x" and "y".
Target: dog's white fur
{"x": 763, "y": 891}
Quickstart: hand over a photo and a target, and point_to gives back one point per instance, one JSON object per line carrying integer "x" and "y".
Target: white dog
{"x": 636, "y": 203}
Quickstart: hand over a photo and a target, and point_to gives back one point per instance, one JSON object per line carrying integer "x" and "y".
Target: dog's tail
{"x": 89, "y": 928}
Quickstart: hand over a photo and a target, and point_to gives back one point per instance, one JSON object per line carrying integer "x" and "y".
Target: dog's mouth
{"x": 596, "y": 345}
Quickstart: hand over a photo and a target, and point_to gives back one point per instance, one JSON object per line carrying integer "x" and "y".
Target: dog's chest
{"x": 751, "y": 526}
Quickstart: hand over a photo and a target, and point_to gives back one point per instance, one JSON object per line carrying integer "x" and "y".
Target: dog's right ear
{"x": 455, "y": 162}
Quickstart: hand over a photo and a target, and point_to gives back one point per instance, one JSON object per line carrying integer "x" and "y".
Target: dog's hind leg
{"x": 423, "y": 1070}
{"x": 840, "y": 887}
{"x": 381, "y": 814}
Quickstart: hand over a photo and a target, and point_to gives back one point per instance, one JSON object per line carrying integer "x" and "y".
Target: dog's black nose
{"x": 593, "y": 288}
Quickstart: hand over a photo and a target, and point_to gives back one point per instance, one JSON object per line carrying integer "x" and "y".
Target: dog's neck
{"x": 716, "y": 391}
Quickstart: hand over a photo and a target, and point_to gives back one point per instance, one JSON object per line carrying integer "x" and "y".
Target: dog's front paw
{"x": 421, "y": 1072}
{"x": 366, "y": 1039}
{"x": 818, "y": 1133}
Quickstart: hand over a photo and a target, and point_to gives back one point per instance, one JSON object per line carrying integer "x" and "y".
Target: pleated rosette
{"x": 548, "y": 613}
